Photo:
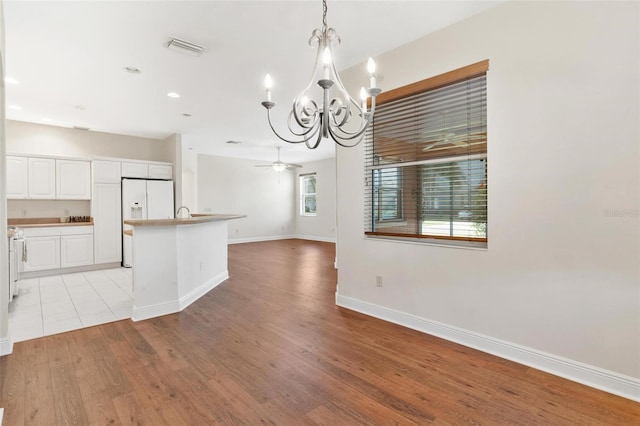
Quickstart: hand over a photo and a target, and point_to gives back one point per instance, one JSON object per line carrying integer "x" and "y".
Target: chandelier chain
{"x": 324, "y": 15}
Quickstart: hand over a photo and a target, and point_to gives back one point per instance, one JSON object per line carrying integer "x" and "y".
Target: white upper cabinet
{"x": 17, "y": 177}
{"x": 135, "y": 170}
{"x": 42, "y": 178}
{"x": 73, "y": 180}
{"x": 160, "y": 171}
{"x": 106, "y": 171}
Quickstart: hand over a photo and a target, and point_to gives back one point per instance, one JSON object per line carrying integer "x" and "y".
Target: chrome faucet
{"x": 183, "y": 207}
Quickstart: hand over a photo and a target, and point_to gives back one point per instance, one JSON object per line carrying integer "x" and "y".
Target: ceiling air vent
{"x": 81, "y": 128}
{"x": 184, "y": 47}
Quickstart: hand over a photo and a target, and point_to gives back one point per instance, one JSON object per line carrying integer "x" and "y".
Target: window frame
{"x": 374, "y": 163}
{"x": 304, "y": 195}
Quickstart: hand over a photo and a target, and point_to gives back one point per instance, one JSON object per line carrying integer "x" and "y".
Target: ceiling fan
{"x": 279, "y": 166}
{"x": 447, "y": 139}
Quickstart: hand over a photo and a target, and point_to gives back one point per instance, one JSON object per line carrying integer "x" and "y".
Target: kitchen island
{"x": 177, "y": 261}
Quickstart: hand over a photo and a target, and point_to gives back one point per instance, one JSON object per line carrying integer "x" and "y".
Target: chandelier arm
{"x": 347, "y": 112}
{"x": 343, "y": 141}
{"x": 299, "y": 122}
{"x": 340, "y": 133}
{"x": 305, "y": 140}
{"x": 315, "y": 145}
{"x": 309, "y": 128}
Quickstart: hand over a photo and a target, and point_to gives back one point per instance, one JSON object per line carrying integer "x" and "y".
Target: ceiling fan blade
{"x": 263, "y": 165}
{"x": 293, "y": 166}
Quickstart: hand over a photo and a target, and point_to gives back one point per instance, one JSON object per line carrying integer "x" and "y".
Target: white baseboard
{"x": 260, "y": 239}
{"x": 6, "y": 346}
{"x": 60, "y": 271}
{"x": 280, "y": 237}
{"x": 608, "y": 381}
{"x": 141, "y": 313}
{"x": 145, "y": 312}
{"x": 200, "y": 291}
{"x": 312, "y": 238}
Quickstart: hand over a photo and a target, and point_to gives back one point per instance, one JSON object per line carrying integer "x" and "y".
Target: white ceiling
{"x": 69, "y": 57}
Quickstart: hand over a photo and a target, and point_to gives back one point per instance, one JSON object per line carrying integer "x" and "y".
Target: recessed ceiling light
{"x": 16, "y": 107}
{"x": 173, "y": 95}
{"x": 11, "y": 80}
{"x": 131, "y": 70}
{"x": 47, "y": 119}
{"x": 186, "y": 114}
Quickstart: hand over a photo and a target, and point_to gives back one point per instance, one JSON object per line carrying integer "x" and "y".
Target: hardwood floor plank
{"x": 269, "y": 346}
{"x": 39, "y": 403}
{"x": 69, "y": 407}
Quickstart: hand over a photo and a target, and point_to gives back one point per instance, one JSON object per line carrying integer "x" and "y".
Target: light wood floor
{"x": 269, "y": 346}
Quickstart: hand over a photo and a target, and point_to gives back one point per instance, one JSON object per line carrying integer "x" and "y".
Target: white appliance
{"x": 16, "y": 257}
{"x": 143, "y": 199}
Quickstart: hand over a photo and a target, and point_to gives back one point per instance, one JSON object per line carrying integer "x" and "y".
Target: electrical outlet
{"x": 66, "y": 212}
{"x": 207, "y": 209}
{"x": 378, "y": 281}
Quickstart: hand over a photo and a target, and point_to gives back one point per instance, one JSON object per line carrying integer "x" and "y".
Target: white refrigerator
{"x": 143, "y": 199}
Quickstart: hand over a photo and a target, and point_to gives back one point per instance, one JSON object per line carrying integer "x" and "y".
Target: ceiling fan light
{"x": 279, "y": 167}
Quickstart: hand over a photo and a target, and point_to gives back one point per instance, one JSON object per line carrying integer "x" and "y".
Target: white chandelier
{"x": 311, "y": 120}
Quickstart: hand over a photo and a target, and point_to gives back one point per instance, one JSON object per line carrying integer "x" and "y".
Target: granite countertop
{"x": 194, "y": 219}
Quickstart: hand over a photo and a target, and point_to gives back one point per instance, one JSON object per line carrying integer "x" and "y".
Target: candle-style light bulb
{"x": 363, "y": 97}
{"x": 326, "y": 60}
{"x": 371, "y": 67}
{"x": 268, "y": 83}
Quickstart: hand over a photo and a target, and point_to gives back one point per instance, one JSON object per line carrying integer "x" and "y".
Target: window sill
{"x": 391, "y": 223}
{"x": 460, "y": 244}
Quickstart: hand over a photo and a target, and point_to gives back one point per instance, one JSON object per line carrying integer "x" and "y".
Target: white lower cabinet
{"x": 76, "y": 250}
{"x": 58, "y": 247}
{"x": 42, "y": 253}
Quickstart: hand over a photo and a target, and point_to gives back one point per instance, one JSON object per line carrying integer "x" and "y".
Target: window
{"x": 308, "y": 195}
{"x": 426, "y": 160}
{"x": 388, "y": 195}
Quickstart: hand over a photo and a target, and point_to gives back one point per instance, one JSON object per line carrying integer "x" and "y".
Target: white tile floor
{"x": 59, "y": 303}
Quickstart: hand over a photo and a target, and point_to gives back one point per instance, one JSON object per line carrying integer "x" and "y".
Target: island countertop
{"x": 194, "y": 219}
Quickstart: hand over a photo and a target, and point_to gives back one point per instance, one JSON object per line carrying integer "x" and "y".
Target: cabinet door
{"x": 160, "y": 171}
{"x": 42, "y": 253}
{"x": 106, "y": 171}
{"x": 17, "y": 177}
{"x": 135, "y": 170}
{"x": 73, "y": 180}
{"x": 42, "y": 178}
{"x": 107, "y": 223}
{"x": 76, "y": 250}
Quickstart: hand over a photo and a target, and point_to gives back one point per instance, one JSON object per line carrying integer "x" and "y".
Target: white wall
{"x": 190, "y": 179}
{"x": 47, "y": 208}
{"x": 231, "y": 185}
{"x": 322, "y": 226}
{"x": 5, "y": 344}
{"x": 560, "y": 275}
{"x": 42, "y": 139}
